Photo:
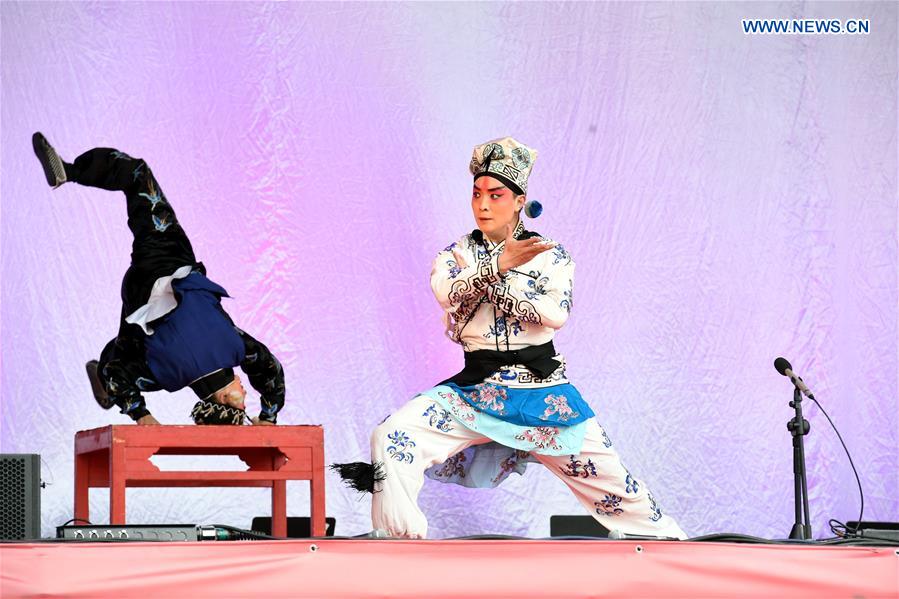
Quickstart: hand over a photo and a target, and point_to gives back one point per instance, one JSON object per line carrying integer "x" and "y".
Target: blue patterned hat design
{"x": 506, "y": 159}
{"x": 521, "y": 158}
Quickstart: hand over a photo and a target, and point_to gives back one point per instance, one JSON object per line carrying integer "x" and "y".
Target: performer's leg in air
{"x": 160, "y": 245}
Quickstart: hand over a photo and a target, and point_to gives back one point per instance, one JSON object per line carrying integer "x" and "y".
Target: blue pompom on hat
{"x": 533, "y": 208}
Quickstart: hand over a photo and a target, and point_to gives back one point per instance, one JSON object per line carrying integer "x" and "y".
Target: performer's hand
{"x": 257, "y": 421}
{"x": 148, "y": 419}
{"x": 515, "y": 252}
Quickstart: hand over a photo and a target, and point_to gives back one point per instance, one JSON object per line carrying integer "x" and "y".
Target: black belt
{"x": 483, "y": 363}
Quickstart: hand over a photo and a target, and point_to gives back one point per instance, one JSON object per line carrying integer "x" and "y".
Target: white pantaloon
{"x": 407, "y": 444}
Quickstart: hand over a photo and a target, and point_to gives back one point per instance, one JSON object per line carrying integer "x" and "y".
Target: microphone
{"x": 478, "y": 236}
{"x": 785, "y": 369}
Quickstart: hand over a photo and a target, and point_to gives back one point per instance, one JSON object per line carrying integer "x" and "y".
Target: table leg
{"x": 82, "y": 488}
{"x": 279, "y": 508}
{"x": 117, "y": 477}
{"x": 317, "y": 493}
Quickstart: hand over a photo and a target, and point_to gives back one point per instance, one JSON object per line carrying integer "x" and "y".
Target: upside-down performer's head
{"x": 222, "y": 398}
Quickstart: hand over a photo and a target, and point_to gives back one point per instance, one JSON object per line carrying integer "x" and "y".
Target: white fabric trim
{"x": 162, "y": 301}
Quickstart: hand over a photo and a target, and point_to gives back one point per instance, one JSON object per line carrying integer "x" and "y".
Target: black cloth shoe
{"x": 50, "y": 160}
{"x": 100, "y": 393}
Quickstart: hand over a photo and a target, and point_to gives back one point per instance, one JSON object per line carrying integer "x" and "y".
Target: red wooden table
{"x": 118, "y": 456}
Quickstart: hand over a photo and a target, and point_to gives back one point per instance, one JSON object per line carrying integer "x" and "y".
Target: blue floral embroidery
{"x": 137, "y": 170}
{"x": 521, "y": 158}
{"x": 605, "y": 439}
{"x": 502, "y": 325}
{"x": 160, "y": 224}
{"x": 608, "y": 506}
{"x": 577, "y": 468}
{"x": 438, "y": 418}
{"x": 566, "y": 302}
{"x": 559, "y": 254}
{"x": 507, "y": 375}
{"x": 120, "y": 155}
{"x": 454, "y": 269}
{"x": 537, "y": 285}
{"x": 401, "y": 448}
{"x": 492, "y": 151}
{"x": 450, "y": 247}
{"x": 631, "y": 484}
{"x": 656, "y": 514}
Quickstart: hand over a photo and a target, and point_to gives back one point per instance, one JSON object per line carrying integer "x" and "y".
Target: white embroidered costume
{"x": 485, "y": 423}
{"x": 477, "y": 435}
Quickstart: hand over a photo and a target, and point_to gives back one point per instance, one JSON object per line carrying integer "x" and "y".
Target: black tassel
{"x": 361, "y": 476}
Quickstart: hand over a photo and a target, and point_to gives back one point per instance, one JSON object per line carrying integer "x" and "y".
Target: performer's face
{"x": 234, "y": 395}
{"x": 494, "y": 206}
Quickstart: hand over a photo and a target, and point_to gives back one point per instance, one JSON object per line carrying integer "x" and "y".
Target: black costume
{"x": 161, "y": 248}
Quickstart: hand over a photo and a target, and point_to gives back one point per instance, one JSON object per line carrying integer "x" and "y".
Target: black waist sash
{"x": 482, "y": 363}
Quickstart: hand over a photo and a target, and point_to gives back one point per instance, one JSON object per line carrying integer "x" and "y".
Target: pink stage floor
{"x": 451, "y": 568}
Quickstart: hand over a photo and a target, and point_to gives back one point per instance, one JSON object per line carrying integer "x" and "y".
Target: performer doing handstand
{"x": 173, "y": 331}
{"x": 505, "y": 292}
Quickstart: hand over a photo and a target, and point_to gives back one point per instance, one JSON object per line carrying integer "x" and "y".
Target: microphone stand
{"x": 799, "y": 427}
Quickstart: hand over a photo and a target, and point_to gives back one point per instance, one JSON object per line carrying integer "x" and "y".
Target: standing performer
{"x": 505, "y": 292}
{"x": 173, "y": 331}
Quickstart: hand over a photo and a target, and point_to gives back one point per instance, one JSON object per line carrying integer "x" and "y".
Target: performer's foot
{"x": 50, "y": 160}
{"x": 100, "y": 393}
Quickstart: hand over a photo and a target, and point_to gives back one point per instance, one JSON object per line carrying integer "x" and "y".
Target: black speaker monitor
{"x": 297, "y": 528}
{"x": 20, "y": 496}
{"x": 576, "y": 526}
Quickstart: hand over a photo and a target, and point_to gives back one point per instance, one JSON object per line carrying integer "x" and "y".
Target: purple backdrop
{"x": 727, "y": 198}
